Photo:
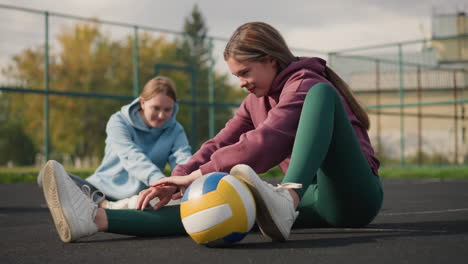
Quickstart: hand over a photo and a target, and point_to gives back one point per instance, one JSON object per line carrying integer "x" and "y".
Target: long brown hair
{"x": 258, "y": 41}
{"x": 345, "y": 90}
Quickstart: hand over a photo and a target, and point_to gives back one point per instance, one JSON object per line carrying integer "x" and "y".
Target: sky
{"x": 306, "y": 24}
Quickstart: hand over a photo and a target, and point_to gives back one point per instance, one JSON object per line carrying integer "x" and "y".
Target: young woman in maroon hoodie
{"x": 300, "y": 116}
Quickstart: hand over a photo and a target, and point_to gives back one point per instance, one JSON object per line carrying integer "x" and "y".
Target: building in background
{"x": 450, "y": 39}
{"x": 429, "y": 78}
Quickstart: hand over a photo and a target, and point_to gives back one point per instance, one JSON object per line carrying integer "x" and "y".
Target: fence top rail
{"x": 102, "y": 21}
{"x": 216, "y": 38}
{"x": 400, "y": 43}
{"x": 379, "y": 46}
{"x": 438, "y": 103}
{"x": 123, "y": 24}
{"x": 107, "y": 96}
{"x": 396, "y": 62}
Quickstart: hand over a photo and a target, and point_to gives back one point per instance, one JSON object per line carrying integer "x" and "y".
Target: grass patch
{"x": 425, "y": 172}
{"x": 29, "y": 174}
{"x": 441, "y": 172}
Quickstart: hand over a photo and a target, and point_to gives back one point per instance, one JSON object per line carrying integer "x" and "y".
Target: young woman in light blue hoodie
{"x": 141, "y": 139}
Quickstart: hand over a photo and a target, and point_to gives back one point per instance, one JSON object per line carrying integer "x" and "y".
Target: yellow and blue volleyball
{"x": 217, "y": 210}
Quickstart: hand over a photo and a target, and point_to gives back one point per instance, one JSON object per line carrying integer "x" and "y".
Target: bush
{"x": 16, "y": 145}
{"x": 29, "y": 174}
{"x": 429, "y": 159}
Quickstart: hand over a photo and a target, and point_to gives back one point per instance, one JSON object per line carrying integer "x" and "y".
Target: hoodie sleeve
{"x": 132, "y": 157}
{"x": 180, "y": 150}
{"x": 235, "y": 127}
{"x": 267, "y": 145}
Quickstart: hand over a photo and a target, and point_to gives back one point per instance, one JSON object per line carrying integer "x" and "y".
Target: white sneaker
{"x": 275, "y": 206}
{"x": 72, "y": 211}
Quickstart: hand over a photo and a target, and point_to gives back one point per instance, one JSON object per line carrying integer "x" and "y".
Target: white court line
{"x": 392, "y": 230}
{"x": 354, "y": 229}
{"x": 426, "y": 212}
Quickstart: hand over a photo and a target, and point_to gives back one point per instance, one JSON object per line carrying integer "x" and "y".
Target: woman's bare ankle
{"x": 295, "y": 197}
{"x": 101, "y": 220}
{"x": 104, "y": 204}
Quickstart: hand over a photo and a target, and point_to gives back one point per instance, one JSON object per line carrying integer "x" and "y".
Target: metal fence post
{"x": 330, "y": 58}
{"x": 419, "y": 95}
{"x": 46, "y": 87}
{"x": 455, "y": 117}
{"x": 136, "y": 62}
{"x": 378, "y": 103}
{"x": 193, "y": 107}
{"x": 402, "y": 115}
{"x": 211, "y": 124}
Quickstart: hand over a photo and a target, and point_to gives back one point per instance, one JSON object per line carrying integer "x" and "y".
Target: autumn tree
{"x": 86, "y": 68}
{"x": 88, "y": 62}
{"x": 194, "y": 49}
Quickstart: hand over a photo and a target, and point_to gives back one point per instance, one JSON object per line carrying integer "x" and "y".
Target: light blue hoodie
{"x": 135, "y": 154}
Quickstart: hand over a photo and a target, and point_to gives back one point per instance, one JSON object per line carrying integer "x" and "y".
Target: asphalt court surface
{"x": 421, "y": 221}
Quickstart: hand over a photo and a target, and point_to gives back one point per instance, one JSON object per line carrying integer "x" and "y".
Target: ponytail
{"x": 345, "y": 90}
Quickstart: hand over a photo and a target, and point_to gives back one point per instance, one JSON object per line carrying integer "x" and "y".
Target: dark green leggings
{"x": 339, "y": 188}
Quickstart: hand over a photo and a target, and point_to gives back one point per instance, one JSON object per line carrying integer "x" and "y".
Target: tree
{"x": 20, "y": 147}
{"x": 84, "y": 59}
{"x": 193, "y": 49}
{"x": 87, "y": 61}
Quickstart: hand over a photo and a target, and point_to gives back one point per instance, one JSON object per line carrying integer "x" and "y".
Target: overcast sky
{"x": 320, "y": 25}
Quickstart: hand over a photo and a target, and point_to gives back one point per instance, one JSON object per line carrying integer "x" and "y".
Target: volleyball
{"x": 217, "y": 209}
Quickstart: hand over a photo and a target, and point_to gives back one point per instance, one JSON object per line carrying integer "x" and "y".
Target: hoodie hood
{"x": 132, "y": 116}
{"x": 314, "y": 64}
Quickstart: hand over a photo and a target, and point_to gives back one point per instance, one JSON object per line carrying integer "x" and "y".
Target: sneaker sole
{"x": 51, "y": 194}
{"x": 264, "y": 219}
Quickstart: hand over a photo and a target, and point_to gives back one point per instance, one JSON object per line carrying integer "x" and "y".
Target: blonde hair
{"x": 158, "y": 85}
{"x": 258, "y": 41}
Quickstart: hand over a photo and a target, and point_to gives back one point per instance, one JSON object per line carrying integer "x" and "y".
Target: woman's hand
{"x": 164, "y": 193}
{"x": 182, "y": 182}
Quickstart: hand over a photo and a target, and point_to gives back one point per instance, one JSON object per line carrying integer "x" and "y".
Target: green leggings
{"x": 339, "y": 187}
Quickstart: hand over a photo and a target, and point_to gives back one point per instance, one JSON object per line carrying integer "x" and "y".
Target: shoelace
{"x": 100, "y": 196}
{"x": 285, "y": 186}
{"x": 288, "y": 185}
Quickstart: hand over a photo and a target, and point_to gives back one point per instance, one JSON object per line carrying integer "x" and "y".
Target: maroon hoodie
{"x": 261, "y": 133}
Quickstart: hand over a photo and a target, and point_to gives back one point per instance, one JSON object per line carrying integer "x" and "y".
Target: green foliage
{"x": 193, "y": 49}
{"x": 428, "y": 159}
{"x": 446, "y": 172}
{"x": 20, "y": 147}
{"x": 398, "y": 172}
{"x": 29, "y": 174}
{"x": 425, "y": 172}
{"x": 87, "y": 60}
{"x": 423, "y": 158}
